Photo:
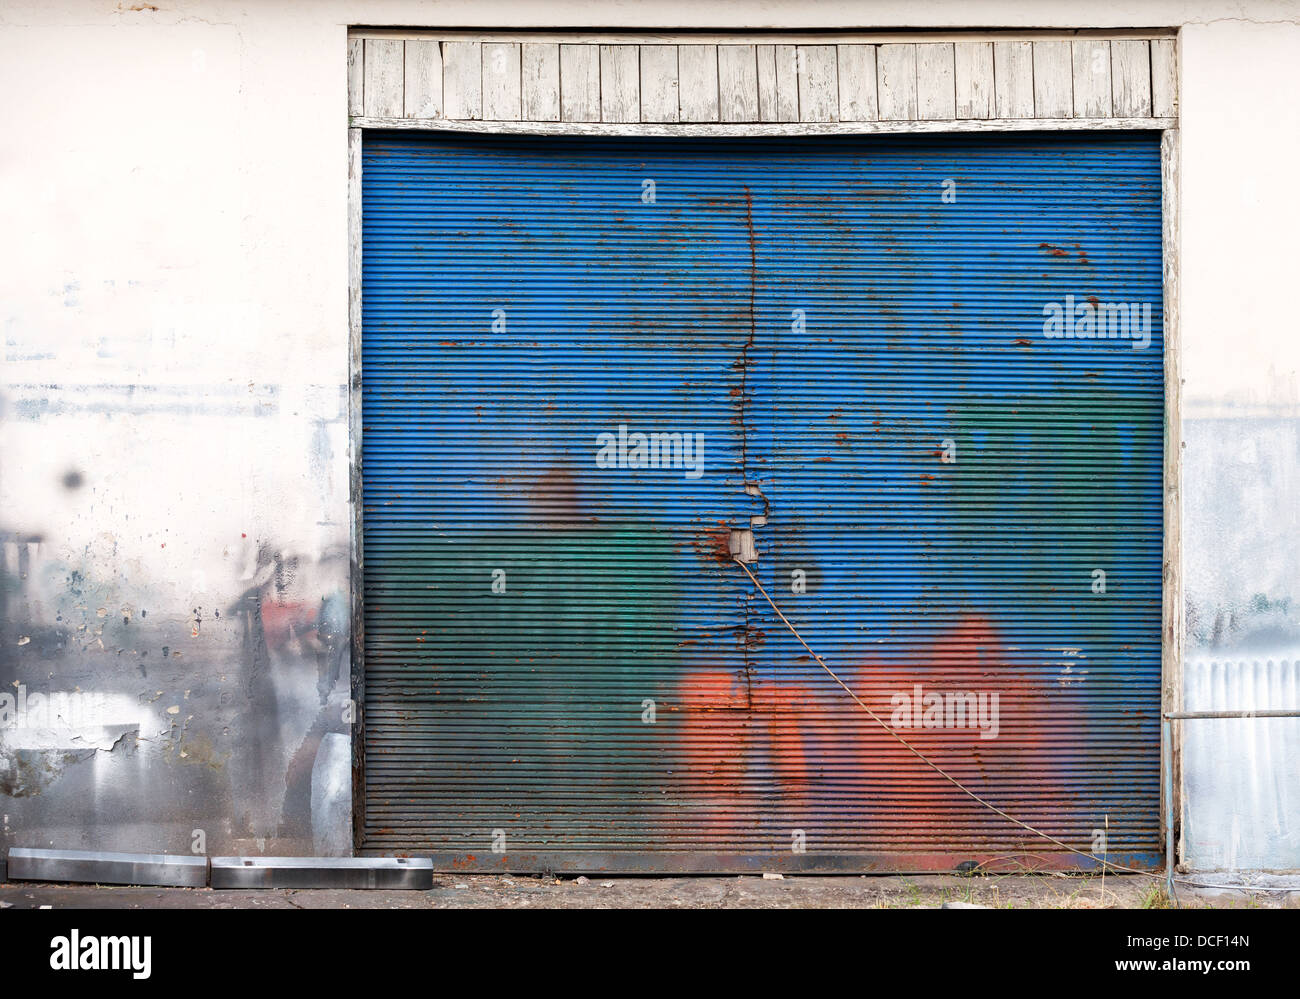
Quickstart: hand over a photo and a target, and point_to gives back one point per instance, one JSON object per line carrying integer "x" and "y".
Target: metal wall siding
{"x": 922, "y": 323}
{"x": 1242, "y": 774}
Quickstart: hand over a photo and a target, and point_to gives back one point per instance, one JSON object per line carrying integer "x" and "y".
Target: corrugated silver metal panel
{"x": 1241, "y": 776}
{"x": 106, "y": 868}
{"x": 408, "y": 873}
{"x": 951, "y": 503}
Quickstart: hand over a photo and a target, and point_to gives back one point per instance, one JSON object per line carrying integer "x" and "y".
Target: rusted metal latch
{"x": 742, "y": 545}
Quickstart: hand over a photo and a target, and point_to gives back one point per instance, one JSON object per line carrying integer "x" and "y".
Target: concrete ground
{"x": 747, "y": 892}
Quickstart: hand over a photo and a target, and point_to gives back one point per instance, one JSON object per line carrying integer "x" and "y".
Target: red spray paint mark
{"x": 795, "y": 733}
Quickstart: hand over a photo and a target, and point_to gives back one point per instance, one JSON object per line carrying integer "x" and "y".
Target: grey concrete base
{"x": 478, "y": 891}
{"x": 322, "y": 872}
{"x": 1231, "y": 888}
{"x": 100, "y": 868}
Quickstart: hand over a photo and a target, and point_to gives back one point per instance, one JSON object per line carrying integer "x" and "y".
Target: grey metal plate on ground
{"x": 103, "y": 868}
{"x": 322, "y": 872}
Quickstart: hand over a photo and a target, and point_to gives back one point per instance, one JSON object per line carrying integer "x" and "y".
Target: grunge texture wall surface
{"x": 174, "y": 457}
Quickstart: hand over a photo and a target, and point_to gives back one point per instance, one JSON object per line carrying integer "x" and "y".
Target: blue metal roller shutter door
{"x": 524, "y": 607}
{"x": 942, "y": 482}
{"x": 975, "y": 507}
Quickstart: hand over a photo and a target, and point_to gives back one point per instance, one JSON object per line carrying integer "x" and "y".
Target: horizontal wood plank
{"x": 896, "y": 82}
{"x": 502, "y": 82}
{"x": 973, "y": 69}
{"x": 1130, "y": 77}
{"x": 423, "y": 93}
{"x": 936, "y": 86}
{"x": 356, "y": 75}
{"x": 659, "y": 101}
{"x": 1164, "y": 77}
{"x": 383, "y": 76}
{"x": 737, "y": 83}
{"x": 769, "y": 128}
{"x": 857, "y": 76}
{"x": 1013, "y": 75}
{"x": 462, "y": 80}
{"x": 540, "y": 81}
{"x": 579, "y": 83}
{"x": 697, "y": 90}
{"x": 620, "y": 83}
{"x": 819, "y": 88}
{"x": 1053, "y": 80}
{"x": 1091, "y": 74}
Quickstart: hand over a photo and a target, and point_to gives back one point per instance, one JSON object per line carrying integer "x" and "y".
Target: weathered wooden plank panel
{"x": 1164, "y": 77}
{"x": 422, "y": 97}
{"x": 502, "y": 81}
{"x": 1091, "y": 77}
{"x": 896, "y": 81}
{"x": 1053, "y": 80}
{"x": 356, "y": 76}
{"x": 710, "y": 129}
{"x": 734, "y": 82}
{"x": 383, "y": 77}
{"x": 579, "y": 83}
{"x": 857, "y": 75}
{"x": 819, "y": 86}
{"x": 1013, "y": 75}
{"x": 765, "y": 56}
{"x": 737, "y": 83}
{"x": 1130, "y": 78}
{"x": 540, "y": 84}
{"x": 462, "y": 80}
{"x": 697, "y": 68}
{"x": 659, "y": 100}
{"x": 936, "y": 86}
{"x": 620, "y": 83}
{"x": 1172, "y": 610}
{"x": 787, "y": 83}
{"x": 973, "y": 71}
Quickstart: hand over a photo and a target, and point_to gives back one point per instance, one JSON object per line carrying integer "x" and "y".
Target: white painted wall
{"x": 173, "y": 305}
{"x": 1241, "y": 424}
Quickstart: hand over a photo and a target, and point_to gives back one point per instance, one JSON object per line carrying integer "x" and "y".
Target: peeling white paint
{"x": 73, "y": 720}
